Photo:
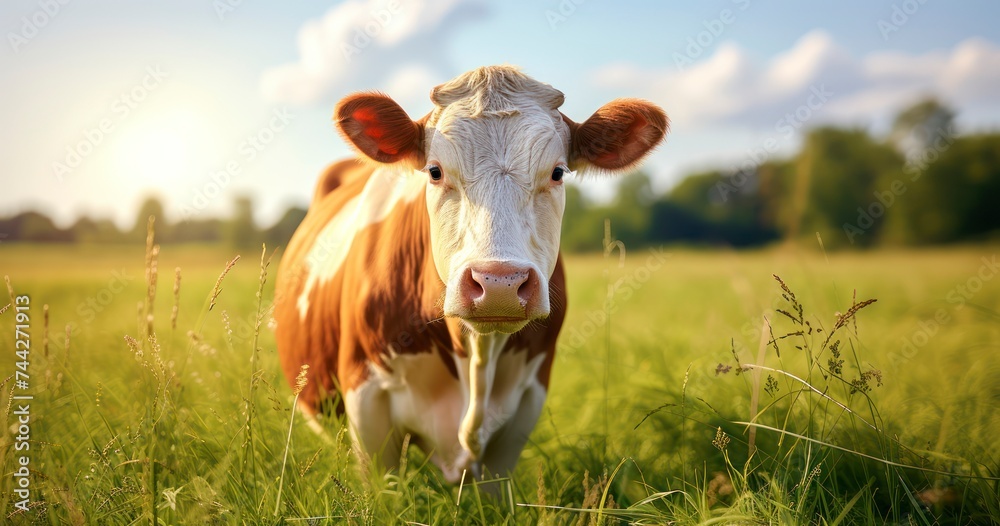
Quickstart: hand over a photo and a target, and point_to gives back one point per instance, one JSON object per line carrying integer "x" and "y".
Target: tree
{"x": 629, "y": 212}
{"x": 151, "y": 207}
{"x": 87, "y": 230}
{"x": 954, "y": 196}
{"x": 35, "y": 226}
{"x": 917, "y": 128}
{"x": 715, "y": 208}
{"x": 207, "y": 230}
{"x": 837, "y": 175}
{"x": 281, "y": 232}
{"x": 583, "y": 224}
{"x": 241, "y": 231}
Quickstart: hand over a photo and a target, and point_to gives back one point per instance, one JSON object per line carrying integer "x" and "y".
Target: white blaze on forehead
{"x": 497, "y": 121}
{"x": 384, "y": 189}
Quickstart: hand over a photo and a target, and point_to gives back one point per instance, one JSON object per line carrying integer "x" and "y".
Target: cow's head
{"x": 494, "y": 152}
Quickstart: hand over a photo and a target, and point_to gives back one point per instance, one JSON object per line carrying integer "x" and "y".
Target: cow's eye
{"x": 435, "y": 172}
{"x": 557, "y": 173}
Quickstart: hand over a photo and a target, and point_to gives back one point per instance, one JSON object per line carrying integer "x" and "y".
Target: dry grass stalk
{"x": 300, "y": 383}
{"x": 140, "y": 317}
{"x": 45, "y": 330}
{"x": 261, "y": 280}
{"x": 218, "y": 283}
{"x": 228, "y": 327}
{"x": 152, "y": 253}
{"x": 10, "y": 289}
{"x": 177, "y": 298}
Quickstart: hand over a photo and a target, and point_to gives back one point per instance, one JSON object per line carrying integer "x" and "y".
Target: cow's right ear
{"x": 380, "y": 130}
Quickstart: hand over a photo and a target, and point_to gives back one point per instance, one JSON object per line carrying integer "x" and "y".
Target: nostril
{"x": 473, "y": 289}
{"x": 528, "y": 287}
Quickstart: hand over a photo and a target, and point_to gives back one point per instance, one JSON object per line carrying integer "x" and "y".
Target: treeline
{"x": 923, "y": 184}
{"x": 238, "y": 230}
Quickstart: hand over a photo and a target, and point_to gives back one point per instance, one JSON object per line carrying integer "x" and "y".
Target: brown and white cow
{"x": 425, "y": 283}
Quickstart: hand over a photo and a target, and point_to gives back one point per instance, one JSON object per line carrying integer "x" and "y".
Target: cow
{"x": 424, "y": 287}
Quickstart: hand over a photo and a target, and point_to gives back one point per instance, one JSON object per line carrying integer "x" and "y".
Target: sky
{"x": 106, "y": 102}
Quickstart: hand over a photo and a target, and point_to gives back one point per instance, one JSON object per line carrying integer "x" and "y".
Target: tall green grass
{"x": 715, "y": 395}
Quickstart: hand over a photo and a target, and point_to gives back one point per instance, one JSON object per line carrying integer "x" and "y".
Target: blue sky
{"x": 217, "y": 73}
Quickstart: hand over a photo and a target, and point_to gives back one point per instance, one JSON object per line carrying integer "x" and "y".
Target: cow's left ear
{"x": 380, "y": 130}
{"x": 617, "y": 136}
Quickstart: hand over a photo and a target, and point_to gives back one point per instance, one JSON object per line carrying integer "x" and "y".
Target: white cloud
{"x": 730, "y": 87}
{"x": 410, "y": 86}
{"x": 370, "y": 44}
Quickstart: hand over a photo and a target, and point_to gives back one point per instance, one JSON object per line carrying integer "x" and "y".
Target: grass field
{"x": 642, "y": 424}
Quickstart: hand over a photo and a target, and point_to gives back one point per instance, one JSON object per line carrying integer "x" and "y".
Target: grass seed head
{"x": 218, "y": 283}
{"x": 721, "y": 440}
{"x": 301, "y": 380}
{"x": 863, "y": 383}
{"x": 134, "y": 346}
{"x": 771, "y": 386}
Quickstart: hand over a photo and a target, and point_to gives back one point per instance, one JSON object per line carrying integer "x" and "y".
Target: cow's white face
{"x": 495, "y": 199}
{"x": 494, "y": 153}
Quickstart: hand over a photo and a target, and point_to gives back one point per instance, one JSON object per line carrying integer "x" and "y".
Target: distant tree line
{"x": 238, "y": 230}
{"x": 923, "y": 184}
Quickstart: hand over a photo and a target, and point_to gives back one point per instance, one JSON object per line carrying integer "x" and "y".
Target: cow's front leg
{"x": 505, "y": 446}
{"x": 370, "y": 422}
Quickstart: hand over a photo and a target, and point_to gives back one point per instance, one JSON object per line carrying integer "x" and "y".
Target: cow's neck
{"x": 483, "y": 351}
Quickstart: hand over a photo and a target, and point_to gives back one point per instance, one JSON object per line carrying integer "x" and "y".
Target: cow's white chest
{"x": 421, "y": 397}
{"x": 383, "y": 191}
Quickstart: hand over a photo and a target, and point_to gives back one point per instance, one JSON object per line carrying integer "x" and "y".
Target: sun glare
{"x": 159, "y": 150}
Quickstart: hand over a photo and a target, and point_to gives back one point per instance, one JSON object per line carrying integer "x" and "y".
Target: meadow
{"x": 693, "y": 390}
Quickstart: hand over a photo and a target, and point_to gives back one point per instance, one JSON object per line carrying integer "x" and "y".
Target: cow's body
{"x": 429, "y": 291}
{"x": 383, "y": 338}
